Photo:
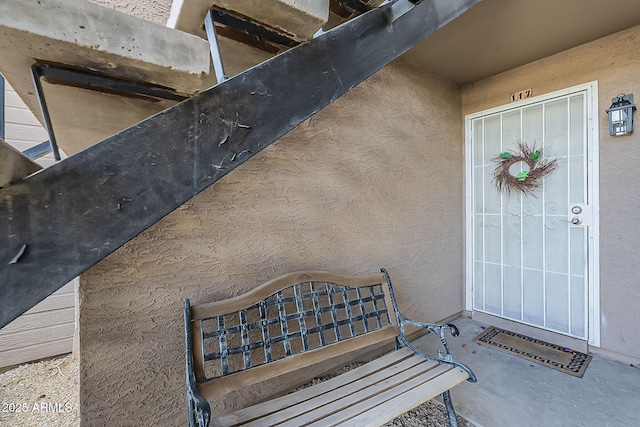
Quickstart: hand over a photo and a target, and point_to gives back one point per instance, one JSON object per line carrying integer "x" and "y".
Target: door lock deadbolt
{"x": 576, "y": 210}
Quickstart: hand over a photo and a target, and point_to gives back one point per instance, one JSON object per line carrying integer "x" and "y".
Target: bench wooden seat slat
{"x": 363, "y": 388}
{"x": 380, "y": 410}
{"x": 349, "y": 398}
{"x": 372, "y": 368}
{"x": 303, "y": 319}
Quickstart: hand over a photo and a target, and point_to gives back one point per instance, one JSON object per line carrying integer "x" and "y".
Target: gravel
{"x": 430, "y": 414}
{"x": 46, "y": 394}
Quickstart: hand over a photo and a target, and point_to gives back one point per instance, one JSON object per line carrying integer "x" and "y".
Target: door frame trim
{"x": 593, "y": 173}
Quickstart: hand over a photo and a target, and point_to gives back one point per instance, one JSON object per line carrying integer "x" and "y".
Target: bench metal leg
{"x": 453, "y": 420}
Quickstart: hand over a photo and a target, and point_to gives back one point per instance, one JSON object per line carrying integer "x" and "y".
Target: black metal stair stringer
{"x": 58, "y": 223}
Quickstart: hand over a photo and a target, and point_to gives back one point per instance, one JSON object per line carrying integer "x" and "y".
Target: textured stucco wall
{"x": 373, "y": 180}
{"x": 614, "y": 62}
{"x": 152, "y": 10}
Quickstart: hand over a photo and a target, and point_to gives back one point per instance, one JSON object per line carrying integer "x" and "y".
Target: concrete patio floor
{"x": 513, "y": 392}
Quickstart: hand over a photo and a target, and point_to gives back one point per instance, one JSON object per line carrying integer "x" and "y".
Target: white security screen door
{"x": 531, "y": 257}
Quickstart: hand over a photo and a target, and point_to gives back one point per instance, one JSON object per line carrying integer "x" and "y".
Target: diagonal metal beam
{"x": 58, "y": 223}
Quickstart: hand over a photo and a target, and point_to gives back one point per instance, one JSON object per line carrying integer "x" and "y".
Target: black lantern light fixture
{"x": 621, "y": 115}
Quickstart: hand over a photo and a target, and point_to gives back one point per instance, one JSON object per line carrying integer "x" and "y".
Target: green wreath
{"x": 525, "y": 181}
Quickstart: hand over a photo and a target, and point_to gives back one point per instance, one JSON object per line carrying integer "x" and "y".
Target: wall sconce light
{"x": 621, "y": 115}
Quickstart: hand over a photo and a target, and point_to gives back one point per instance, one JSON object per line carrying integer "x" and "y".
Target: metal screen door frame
{"x": 590, "y": 91}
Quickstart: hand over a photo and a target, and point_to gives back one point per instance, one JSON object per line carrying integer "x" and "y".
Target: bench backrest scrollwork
{"x": 318, "y": 314}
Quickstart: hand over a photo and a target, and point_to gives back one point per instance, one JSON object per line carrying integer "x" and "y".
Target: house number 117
{"x": 523, "y": 94}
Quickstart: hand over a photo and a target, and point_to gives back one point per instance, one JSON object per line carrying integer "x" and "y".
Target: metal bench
{"x": 297, "y": 321}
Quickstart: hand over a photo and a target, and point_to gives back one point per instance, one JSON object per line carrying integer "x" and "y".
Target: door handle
{"x": 580, "y": 214}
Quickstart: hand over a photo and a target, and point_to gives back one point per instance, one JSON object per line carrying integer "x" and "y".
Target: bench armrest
{"x": 199, "y": 409}
{"x": 437, "y": 328}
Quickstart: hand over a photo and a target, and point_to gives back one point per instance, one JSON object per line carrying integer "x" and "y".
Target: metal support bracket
{"x": 110, "y": 192}
{"x": 216, "y": 56}
{"x": 245, "y": 30}
{"x": 38, "y": 151}
{"x": 87, "y": 80}
{"x": 400, "y": 8}
{"x": 44, "y": 110}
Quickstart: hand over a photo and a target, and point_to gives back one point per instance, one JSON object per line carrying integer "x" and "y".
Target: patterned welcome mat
{"x": 550, "y": 355}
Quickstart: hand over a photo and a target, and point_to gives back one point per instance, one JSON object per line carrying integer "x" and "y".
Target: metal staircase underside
{"x": 56, "y": 224}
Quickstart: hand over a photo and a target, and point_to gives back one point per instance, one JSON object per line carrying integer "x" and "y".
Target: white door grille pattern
{"x": 529, "y": 261}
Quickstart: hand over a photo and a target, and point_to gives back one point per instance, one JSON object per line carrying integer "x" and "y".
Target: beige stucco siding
{"x": 614, "y": 62}
{"x": 373, "y": 180}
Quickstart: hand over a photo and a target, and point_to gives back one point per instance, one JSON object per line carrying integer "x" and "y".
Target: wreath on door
{"x": 526, "y": 178}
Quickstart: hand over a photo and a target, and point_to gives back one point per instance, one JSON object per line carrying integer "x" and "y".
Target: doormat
{"x": 546, "y": 354}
